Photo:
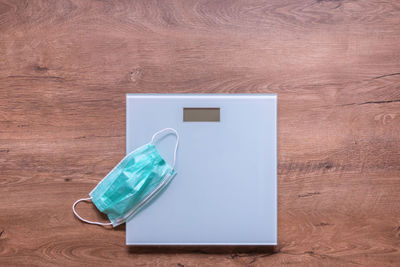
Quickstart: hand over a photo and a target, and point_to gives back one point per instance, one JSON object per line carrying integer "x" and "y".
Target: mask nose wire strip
{"x": 176, "y": 144}
{"x": 84, "y": 220}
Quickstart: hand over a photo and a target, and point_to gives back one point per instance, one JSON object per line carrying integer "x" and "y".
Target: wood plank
{"x": 65, "y": 67}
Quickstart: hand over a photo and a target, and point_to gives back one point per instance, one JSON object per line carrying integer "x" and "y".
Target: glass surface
{"x": 225, "y": 190}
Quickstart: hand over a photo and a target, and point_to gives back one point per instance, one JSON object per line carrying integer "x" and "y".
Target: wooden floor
{"x": 65, "y": 67}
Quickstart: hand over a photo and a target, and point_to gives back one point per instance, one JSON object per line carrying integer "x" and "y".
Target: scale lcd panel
{"x": 201, "y": 114}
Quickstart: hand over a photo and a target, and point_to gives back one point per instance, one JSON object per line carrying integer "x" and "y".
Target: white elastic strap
{"x": 84, "y": 220}
{"x": 176, "y": 144}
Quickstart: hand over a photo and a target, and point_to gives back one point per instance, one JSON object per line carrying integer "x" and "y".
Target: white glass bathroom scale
{"x": 225, "y": 190}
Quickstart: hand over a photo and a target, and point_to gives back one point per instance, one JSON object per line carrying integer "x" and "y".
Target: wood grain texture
{"x": 65, "y": 67}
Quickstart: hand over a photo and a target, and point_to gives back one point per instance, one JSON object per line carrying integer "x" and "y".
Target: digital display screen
{"x": 201, "y": 114}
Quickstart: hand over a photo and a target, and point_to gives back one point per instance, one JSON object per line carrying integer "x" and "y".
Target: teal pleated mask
{"x": 136, "y": 179}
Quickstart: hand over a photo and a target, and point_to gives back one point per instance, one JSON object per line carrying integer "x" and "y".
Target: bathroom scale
{"x": 225, "y": 189}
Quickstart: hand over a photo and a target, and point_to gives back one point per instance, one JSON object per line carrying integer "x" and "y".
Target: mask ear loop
{"x": 176, "y": 144}
{"x": 84, "y": 220}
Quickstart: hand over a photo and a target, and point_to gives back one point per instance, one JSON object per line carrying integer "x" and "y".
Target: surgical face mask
{"x": 140, "y": 176}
